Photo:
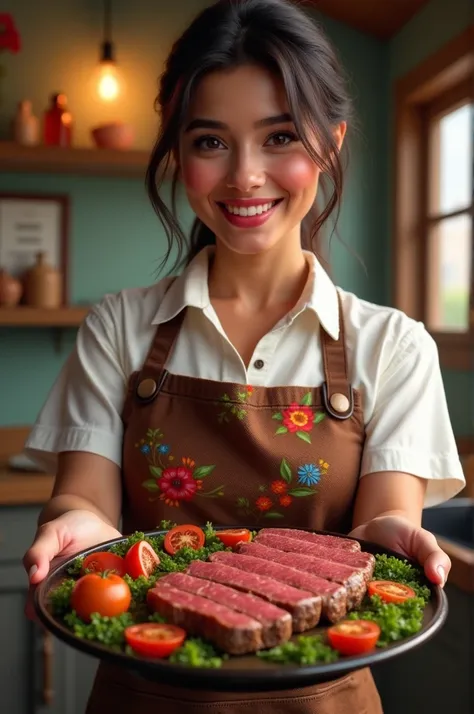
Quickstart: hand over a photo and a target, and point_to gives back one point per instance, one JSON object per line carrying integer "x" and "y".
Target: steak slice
{"x": 363, "y": 561}
{"x": 333, "y": 595}
{"x": 276, "y": 623}
{"x": 328, "y": 541}
{"x": 351, "y": 578}
{"x": 304, "y": 607}
{"x": 230, "y": 631}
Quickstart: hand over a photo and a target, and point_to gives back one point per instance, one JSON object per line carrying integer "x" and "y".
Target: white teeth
{"x": 251, "y": 210}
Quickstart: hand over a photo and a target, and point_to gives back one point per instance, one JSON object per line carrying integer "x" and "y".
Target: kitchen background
{"x": 115, "y": 242}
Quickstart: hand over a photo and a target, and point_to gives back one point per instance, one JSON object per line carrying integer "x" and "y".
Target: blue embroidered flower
{"x": 145, "y": 448}
{"x": 163, "y": 448}
{"x": 309, "y": 475}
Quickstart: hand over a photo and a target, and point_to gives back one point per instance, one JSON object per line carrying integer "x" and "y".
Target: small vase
{"x": 25, "y": 125}
{"x": 43, "y": 285}
{"x": 11, "y": 289}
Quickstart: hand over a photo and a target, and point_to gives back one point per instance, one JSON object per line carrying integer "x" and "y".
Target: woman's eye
{"x": 207, "y": 143}
{"x": 282, "y": 138}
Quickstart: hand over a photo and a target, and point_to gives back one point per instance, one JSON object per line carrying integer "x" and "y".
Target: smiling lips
{"x": 248, "y": 213}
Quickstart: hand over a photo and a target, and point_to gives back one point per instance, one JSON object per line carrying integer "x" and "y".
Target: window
{"x": 434, "y": 216}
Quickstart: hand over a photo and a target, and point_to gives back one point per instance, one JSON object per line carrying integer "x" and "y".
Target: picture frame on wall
{"x": 32, "y": 224}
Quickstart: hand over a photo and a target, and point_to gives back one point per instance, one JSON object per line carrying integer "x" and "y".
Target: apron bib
{"x": 197, "y": 450}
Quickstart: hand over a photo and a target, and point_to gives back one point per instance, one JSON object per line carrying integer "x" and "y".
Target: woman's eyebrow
{"x": 214, "y": 124}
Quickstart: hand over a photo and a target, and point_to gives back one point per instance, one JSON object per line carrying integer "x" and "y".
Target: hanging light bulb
{"x": 108, "y": 82}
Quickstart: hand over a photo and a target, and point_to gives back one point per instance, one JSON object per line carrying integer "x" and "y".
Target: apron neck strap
{"x": 163, "y": 342}
{"x": 337, "y": 390}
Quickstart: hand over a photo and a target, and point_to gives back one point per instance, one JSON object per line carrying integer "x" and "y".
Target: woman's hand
{"x": 60, "y": 538}
{"x": 399, "y": 534}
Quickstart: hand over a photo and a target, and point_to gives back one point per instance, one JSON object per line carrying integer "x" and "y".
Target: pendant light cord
{"x": 107, "y": 21}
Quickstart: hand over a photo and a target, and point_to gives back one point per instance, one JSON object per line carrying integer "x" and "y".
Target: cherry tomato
{"x": 103, "y": 560}
{"x": 105, "y": 593}
{"x": 390, "y": 591}
{"x": 154, "y": 640}
{"x": 187, "y": 536}
{"x": 231, "y": 537}
{"x": 141, "y": 559}
{"x": 353, "y": 637}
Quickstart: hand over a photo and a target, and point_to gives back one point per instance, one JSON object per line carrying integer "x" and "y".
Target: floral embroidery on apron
{"x": 299, "y": 419}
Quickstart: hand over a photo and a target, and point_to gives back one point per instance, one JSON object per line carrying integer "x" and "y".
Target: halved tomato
{"x": 104, "y": 593}
{"x": 231, "y": 537}
{"x": 186, "y": 536}
{"x": 151, "y": 639}
{"x": 141, "y": 559}
{"x": 390, "y": 591}
{"x": 353, "y": 637}
{"x": 103, "y": 560}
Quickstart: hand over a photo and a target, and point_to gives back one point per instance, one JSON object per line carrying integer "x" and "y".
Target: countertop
{"x": 18, "y": 488}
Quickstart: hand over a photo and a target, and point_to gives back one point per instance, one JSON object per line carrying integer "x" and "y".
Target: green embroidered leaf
{"x": 304, "y": 436}
{"x": 300, "y": 492}
{"x": 262, "y": 488}
{"x": 242, "y": 396}
{"x": 278, "y": 416}
{"x": 243, "y": 502}
{"x": 225, "y": 398}
{"x": 151, "y": 485}
{"x": 202, "y": 471}
{"x": 273, "y": 514}
{"x": 307, "y": 400}
{"x": 319, "y": 416}
{"x": 241, "y": 414}
{"x": 156, "y": 471}
{"x": 285, "y": 471}
{"x": 281, "y": 430}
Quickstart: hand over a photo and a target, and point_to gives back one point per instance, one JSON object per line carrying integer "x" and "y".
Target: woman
{"x": 300, "y": 404}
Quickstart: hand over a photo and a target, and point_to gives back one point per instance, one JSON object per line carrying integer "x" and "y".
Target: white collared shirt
{"x": 392, "y": 360}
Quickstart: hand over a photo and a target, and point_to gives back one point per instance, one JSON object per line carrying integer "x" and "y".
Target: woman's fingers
{"x": 38, "y": 558}
{"x": 433, "y": 559}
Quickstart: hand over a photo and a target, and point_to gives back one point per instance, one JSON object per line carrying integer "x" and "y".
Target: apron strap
{"x": 337, "y": 391}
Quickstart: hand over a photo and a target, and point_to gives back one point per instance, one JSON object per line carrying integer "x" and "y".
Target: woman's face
{"x": 246, "y": 174}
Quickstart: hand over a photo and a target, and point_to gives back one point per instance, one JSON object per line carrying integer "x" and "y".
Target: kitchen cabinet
{"x": 38, "y": 673}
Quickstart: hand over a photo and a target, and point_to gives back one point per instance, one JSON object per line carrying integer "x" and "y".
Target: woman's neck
{"x": 277, "y": 276}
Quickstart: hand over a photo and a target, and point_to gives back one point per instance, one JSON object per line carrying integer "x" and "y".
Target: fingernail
{"x": 442, "y": 574}
{"x": 32, "y": 571}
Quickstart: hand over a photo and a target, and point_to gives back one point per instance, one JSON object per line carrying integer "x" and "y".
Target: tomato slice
{"x": 390, "y": 591}
{"x": 186, "y": 536}
{"x": 152, "y": 639}
{"x": 103, "y": 560}
{"x": 231, "y": 537}
{"x": 353, "y": 637}
{"x": 141, "y": 559}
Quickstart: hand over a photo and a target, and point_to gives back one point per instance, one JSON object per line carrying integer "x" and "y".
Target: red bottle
{"x": 57, "y": 127}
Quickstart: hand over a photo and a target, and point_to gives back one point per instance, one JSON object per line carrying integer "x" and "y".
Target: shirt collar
{"x": 190, "y": 289}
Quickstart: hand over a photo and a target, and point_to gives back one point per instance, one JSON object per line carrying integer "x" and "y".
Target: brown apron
{"x": 197, "y": 450}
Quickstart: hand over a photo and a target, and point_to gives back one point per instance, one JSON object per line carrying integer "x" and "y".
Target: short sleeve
{"x": 83, "y": 409}
{"x": 409, "y": 429}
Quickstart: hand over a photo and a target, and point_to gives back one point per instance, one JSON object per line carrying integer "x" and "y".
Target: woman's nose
{"x": 245, "y": 173}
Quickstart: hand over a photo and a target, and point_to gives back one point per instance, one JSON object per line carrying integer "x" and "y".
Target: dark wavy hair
{"x": 280, "y": 37}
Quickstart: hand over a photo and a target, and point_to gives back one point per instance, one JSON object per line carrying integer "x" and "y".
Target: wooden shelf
{"x": 78, "y": 161}
{"x": 42, "y": 317}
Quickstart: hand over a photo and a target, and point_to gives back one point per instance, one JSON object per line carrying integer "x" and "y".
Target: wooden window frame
{"x": 445, "y": 77}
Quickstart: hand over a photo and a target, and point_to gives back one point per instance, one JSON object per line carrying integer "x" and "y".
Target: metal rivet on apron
{"x": 146, "y": 388}
{"x": 259, "y": 364}
{"x": 339, "y": 403}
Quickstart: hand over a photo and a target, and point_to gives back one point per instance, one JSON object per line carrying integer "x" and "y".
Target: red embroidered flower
{"x": 178, "y": 484}
{"x": 263, "y": 503}
{"x": 286, "y": 501}
{"x": 249, "y": 390}
{"x": 298, "y": 418}
{"x": 278, "y": 486}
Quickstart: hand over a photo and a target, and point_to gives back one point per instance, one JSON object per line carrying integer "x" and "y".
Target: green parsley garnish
{"x": 308, "y": 649}
{"x": 396, "y": 620}
{"x": 195, "y": 652}
{"x": 387, "y": 567}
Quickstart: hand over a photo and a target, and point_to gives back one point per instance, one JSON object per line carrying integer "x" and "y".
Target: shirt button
{"x": 259, "y": 364}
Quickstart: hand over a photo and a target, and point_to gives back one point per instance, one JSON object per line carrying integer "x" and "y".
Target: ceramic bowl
{"x": 115, "y": 135}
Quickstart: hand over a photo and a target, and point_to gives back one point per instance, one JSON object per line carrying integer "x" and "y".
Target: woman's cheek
{"x": 200, "y": 177}
{"x": 298, "y": 173}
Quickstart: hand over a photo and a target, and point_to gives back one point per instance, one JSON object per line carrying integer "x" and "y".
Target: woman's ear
{"x": 339, "y": 134}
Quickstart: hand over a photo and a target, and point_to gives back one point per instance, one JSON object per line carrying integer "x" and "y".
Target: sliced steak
{"x": 304, "y": 607}
{"x": 333, "y": 595}
{"x": 351, "y": 578}
{"x": 230, "y": 631}
{"x": 276, "y": 623}
{"x": 328, "y": 541}
{"x": 363, "y": 561}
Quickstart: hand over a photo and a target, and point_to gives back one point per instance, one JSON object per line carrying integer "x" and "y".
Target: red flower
{"x": 249, "y": 390}
{"x": 278, "y": 486}
{"x": 298, "y": 418}
{"x": 178, "y": 484}
{"x": 263, "y": 503}
{"x": 9, "y": 35}
{"x": 286, "y": 501}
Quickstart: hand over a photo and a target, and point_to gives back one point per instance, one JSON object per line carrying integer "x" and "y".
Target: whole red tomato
{"x": 104, "y": 593}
